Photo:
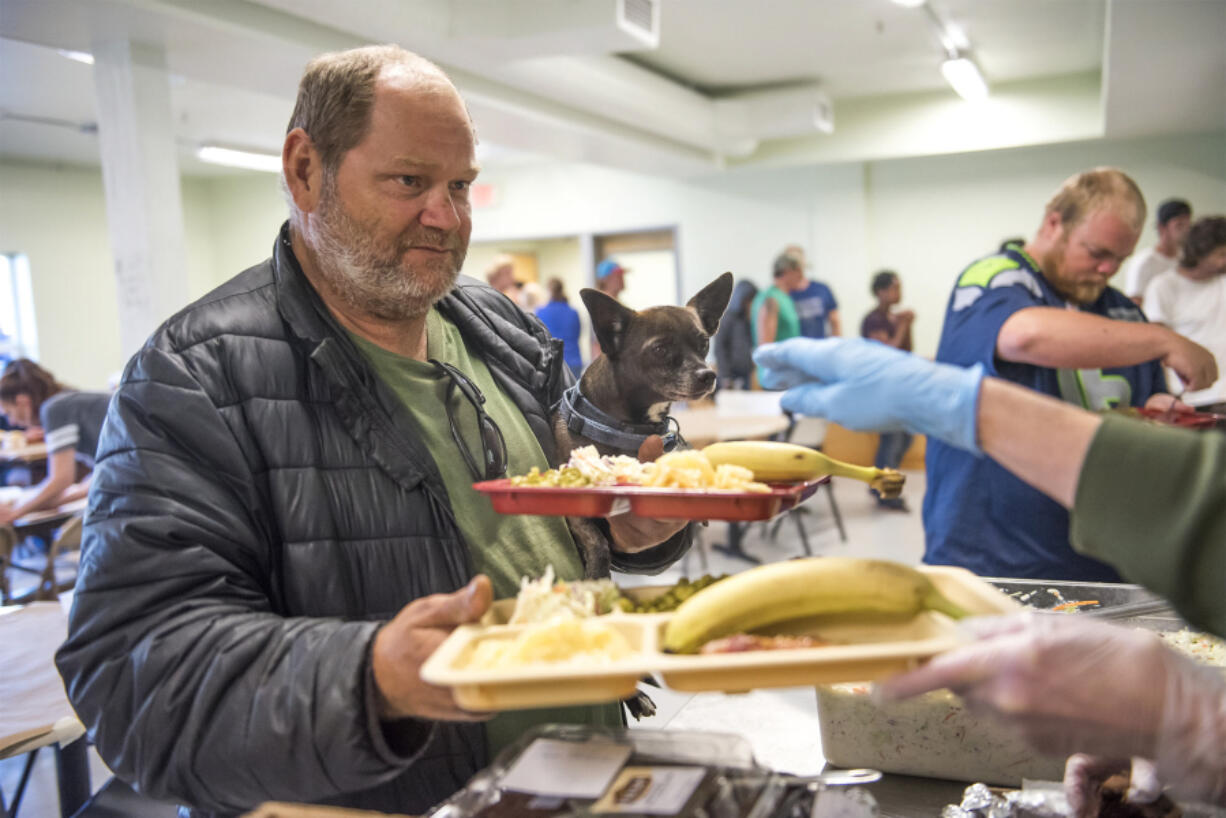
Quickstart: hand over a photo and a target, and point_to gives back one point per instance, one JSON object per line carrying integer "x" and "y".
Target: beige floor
{"x": 870, "y": 533}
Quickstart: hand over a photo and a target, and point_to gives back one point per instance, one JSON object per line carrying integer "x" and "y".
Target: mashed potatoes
{"x": 581, "y": 641}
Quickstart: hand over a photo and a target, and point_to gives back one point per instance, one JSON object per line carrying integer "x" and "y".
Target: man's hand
{"x": 905, "y": 316}
{"x": 1194, "y": 364}
{"x": 864, "y": 385}
{"x": 1166, "y": 402}
{"x": 631, "y": 533}
{"x": 402, "y": 646}
{"x": 1071, "y": 684}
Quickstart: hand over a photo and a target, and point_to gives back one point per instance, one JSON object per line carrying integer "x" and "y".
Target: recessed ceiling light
{"x": 250, "y": 160}
{"x": 910, "y": 4}
{"x": 965, "y": 77}
{"x": 79, "y": 56}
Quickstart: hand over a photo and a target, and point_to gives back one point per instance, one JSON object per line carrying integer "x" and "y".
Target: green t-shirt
{"x": 505, "y": 547}
{"x": 788, "y": 324}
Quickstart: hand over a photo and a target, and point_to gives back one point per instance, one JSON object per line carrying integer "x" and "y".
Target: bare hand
{"x": 403, "y": 645}
{"x": 1166, "y": 402}
{"x": 906, "y": 316}
{"x": 1194, "y": 364}
{"x": 632, "y": 533}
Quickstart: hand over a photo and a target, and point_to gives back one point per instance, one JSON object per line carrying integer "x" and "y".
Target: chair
{"x": 8, "y": 542}
{"x": 809, "y": 432}
{"x": 66, "y": 541}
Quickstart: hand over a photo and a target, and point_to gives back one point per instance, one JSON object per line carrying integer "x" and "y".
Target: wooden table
{"x": 50, "y": 518}
{"x": 30, "y": 453}
{"x": 36, "y": 712}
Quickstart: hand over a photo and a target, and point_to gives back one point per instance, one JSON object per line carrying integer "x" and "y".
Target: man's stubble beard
{"x": 1080, "y": 293}
{"x": 370, "y": 278}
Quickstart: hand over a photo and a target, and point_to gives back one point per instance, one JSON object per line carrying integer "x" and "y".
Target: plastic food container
{"x": 659, "y": 503}
{"x": 935, "y": 735}
{"x": 860, "y": 650}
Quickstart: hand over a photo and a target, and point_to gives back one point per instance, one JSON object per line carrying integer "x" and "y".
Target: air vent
{"x": 641, "y": 19}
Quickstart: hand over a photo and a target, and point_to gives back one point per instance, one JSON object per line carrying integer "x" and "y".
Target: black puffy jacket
{"x": 260, "y": 505}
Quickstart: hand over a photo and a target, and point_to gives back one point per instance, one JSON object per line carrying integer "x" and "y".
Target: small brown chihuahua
{"x": 620, "y": 405}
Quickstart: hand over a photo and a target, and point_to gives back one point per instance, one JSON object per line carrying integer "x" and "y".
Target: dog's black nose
{"x": 706, "y": 379}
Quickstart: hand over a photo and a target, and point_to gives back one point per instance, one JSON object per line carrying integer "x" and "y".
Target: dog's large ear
{"x": 610, "y": 318}
{"x": 711, "y": 301}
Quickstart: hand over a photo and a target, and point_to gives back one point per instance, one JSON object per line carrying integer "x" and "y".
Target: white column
{"x": 140, "y": 173}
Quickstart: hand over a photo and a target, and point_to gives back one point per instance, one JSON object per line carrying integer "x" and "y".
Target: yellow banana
{"x": 795, "y": 589}
{"x": 773, "y": 462}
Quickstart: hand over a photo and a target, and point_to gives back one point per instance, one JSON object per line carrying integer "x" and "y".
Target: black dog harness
{"x": 583, "y": 418}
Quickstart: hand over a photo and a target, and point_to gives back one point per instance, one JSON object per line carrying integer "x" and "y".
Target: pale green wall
{"x": 925, "y": 217}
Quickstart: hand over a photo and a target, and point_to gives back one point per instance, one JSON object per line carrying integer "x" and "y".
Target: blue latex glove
{"x": 868, "y": 386}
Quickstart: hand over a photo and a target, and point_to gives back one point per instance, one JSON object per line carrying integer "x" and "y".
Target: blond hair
{"x": 337, "y": 92}
{"x": 1098, "y": 189}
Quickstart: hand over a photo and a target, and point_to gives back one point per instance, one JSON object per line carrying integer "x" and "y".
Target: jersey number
{"x": 1091, "y": 389}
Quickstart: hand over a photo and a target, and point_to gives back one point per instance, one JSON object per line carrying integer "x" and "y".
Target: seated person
{"x": 70, "y": 421}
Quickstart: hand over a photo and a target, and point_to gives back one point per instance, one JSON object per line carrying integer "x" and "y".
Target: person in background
{"x": 71, "y": 422}
{"x": 1174, "y": 220}
{"x": 1044, "y": 317}
{"x": 1191, "y": 299}
{"x": 283, "y": 525}
{"x": 773, "y": 314}
{"x": 562, "y": 321}
{"x": 734, "y": 340}
{"x": 532, "y": 296}
{"x": 815, "y": 303}
{"x": 501, "y": 276}
{"x": 1071, "y": 684}
{"x": 892, "y": 329}
{"x": 611, "y": 278}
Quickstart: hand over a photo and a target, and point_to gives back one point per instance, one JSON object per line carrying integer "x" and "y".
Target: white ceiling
{"x": 869, "y": 47}
{"x": 541, "y": 81}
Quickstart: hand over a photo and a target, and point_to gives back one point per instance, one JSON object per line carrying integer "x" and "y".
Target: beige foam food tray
{"x": 864, "y": 651}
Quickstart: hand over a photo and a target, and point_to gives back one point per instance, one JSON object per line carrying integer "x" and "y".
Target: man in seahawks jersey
{"x": 1043, "y": 316}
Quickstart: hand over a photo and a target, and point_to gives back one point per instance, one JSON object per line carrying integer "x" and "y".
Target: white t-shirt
{"x": 1196, "y": 310}
{"x": 1143, "y": 268}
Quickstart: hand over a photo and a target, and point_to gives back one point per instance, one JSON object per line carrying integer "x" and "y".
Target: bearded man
{"x": 282, "y": 525}
{"x": 1043, "y": 316}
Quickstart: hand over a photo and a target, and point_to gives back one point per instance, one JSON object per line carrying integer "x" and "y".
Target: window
{"x": 18, "y": 333}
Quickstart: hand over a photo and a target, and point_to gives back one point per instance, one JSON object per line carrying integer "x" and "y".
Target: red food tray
{"x": 661, "y": 504}
{"x": 1187, "y": 420}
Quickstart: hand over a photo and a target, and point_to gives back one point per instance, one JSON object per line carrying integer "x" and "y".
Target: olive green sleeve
{"x": 1151, "y": 501}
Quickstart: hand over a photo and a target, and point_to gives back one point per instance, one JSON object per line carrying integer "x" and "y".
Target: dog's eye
{"x": 660, "y": 350}
{"x": 704, "y": 346}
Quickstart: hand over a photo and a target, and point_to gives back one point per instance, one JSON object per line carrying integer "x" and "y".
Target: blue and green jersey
{"x": 976, "y": 514}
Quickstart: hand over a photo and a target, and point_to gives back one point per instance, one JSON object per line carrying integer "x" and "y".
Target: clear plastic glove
{"x": 1074, "y": 684}
{"x": 866, "y": 385}
{"x": 1084, "y": 776}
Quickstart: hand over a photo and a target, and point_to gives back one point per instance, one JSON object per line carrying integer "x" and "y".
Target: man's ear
{"x": 610, "y": 319}
{"x": 303, "y": 170}
{"x": 711, "y": 301}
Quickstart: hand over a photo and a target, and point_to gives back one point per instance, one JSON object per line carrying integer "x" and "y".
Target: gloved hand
{"x": 1075, "y": 684}
{"x": 1084, "y": 776}
{"x": 866, "y": 385}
